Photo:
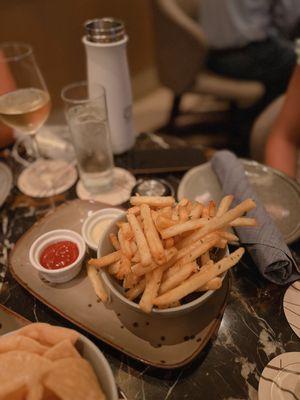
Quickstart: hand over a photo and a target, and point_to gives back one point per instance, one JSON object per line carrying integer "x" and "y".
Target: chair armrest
{"x": 180, "y": 45}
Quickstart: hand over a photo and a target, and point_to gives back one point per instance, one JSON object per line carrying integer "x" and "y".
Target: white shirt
{"x": 236, "y": 23}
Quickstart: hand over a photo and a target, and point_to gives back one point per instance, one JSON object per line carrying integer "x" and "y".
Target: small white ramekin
{"x": 63, "y": 274}
{"x": 94, "y": 219}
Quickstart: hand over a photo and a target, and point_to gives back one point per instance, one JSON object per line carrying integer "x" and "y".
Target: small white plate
{"x": 201, "y": 183}
{"x": 6, "y": 180}
{"x": 57, "y": 177}
{"x": 291, "y": 307}
{"x": 123, "y": 183}
{"x": 280, "y": 380}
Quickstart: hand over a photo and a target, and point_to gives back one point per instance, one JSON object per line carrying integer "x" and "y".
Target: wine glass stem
{"x": 36, "y": 147}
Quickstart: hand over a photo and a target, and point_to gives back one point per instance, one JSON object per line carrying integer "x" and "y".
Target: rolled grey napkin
{"x": 264, "y": 242}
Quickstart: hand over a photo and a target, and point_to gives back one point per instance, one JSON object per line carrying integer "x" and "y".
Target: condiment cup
{"x": 117, "y": 291}
{"x": 95, "y": 219}
{"x": 64, "y": 274}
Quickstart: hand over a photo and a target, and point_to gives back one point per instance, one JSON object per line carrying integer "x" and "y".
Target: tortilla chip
{"x": 63, "y": 349}
{"x": 47, "y": 334}
{"x": 73, "y": 379}
{"x": 19, "y": 342}
{"x": 14, "y": 390}
{"x": 29, "y": 366}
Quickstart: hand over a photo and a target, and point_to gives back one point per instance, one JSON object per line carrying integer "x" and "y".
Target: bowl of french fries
{"x": 165, "y": 258}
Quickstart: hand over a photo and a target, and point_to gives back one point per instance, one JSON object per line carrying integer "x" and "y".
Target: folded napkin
{"x": 264, "y": 242}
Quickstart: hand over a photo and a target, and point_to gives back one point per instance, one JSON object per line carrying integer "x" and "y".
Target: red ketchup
{"x": 59, "y": 255}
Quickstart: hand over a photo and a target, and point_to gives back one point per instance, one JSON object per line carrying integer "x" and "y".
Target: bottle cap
{"x": 104, "y": 30}
{"x": 152, "y": 187}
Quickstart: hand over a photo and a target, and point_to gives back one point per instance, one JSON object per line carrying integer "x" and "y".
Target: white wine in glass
{"x": 26, "y": 110}
{"x": 25, "y": 106}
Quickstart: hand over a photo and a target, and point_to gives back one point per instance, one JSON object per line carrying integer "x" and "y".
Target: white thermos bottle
{"x": 105, "y": 43}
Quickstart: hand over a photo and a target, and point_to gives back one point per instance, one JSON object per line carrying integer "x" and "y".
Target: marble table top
{"x": 253, "y": 330}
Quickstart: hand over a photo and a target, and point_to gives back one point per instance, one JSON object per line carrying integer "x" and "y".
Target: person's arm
{"x": 282, "y": 144}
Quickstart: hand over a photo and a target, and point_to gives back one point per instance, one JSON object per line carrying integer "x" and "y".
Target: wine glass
{"x": 25, "y": 106}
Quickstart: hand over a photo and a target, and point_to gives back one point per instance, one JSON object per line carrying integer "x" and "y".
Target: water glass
{"x": 86, "y": 115}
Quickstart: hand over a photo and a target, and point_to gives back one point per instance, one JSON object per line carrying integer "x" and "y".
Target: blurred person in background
{"x": 282, "y": 149}
{"x": 252, "y": 40}
{"x": 6, "y": 84}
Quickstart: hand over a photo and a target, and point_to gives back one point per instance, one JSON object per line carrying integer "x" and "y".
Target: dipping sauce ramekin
{"x": 100, "y": 219}
{"x": 64, "y": 274}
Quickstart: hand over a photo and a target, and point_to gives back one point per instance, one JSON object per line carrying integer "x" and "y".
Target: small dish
{"x": 64, "y": 274}
{"x": 280, "y": 378}
{"x": 201, "y": 183}
{"x": 90, "y": 228}
{"x": 117, "y": 291}
{"x": 291, "y": 306}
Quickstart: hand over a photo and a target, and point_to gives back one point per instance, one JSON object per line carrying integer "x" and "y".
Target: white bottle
{"x": 105, "y": 44}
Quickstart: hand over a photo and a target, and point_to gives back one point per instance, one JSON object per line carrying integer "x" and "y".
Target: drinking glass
{"x": 86, "y": 115}
{"x": 24, "y": 98}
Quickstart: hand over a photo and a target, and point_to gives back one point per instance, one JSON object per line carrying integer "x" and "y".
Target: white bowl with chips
{"x": 90, "y": 352}
{"x": 95, "y": 357}
{"x": 117, "y": 292}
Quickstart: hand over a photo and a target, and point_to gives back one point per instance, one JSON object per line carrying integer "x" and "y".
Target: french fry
{"x": 134, "y": 210}
{"x": 124, "y": 244}
{"x": 199, "y": 279}
{"x": 224, "y": 205}
{"x": 153, "y": 239}
{"x": 97, "y": 283}
{"x": 183, "y": 227}
{"x": 243, "y": 221}
{"x": 183, "y": 214}
{"x": 197, "y": 251}
{"x": 211, "y": 209}
{"x": 127, "y": 231}
{"x": 166, "y": 212}
{"x": 136, "y": 258}
{"x": 185, "y": 250}
{"x": 153, "y": 280}
{"x": 154, "y": 201}
{"x": 220, "y": 222}
{"x": 213, "y": 284}
{"x": 106, "y": 260}
{"x": 175, "y": 279}
{"x": 196, "y": 211}
{"x": 230, "y": 237}
{"x": 163, "y": 222}
{"x": 138, "y": 289}
{"x": 138, "y": 269}
{"x": 114, "y": 241}
{"x": 114, "y": 268}
{"x": 182, "y": 203}
{"x": 168, "y": 243}
{"x": 125, "y": 266}
{"x": 140, "y": 239}
{"x": 172, "y": 305}
{"x": 133, "y": 247}
{"x": 131, "y": 280}
{"x": 205, "y": 212}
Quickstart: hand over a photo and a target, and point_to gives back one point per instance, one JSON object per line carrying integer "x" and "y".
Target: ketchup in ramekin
{"x": 59, "y": 255}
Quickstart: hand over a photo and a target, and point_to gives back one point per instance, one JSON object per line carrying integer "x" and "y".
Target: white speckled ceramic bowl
{"x": 117, "y": 291}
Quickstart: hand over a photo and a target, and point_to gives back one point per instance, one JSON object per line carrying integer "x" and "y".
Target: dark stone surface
{"x": 253, "y": 330}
